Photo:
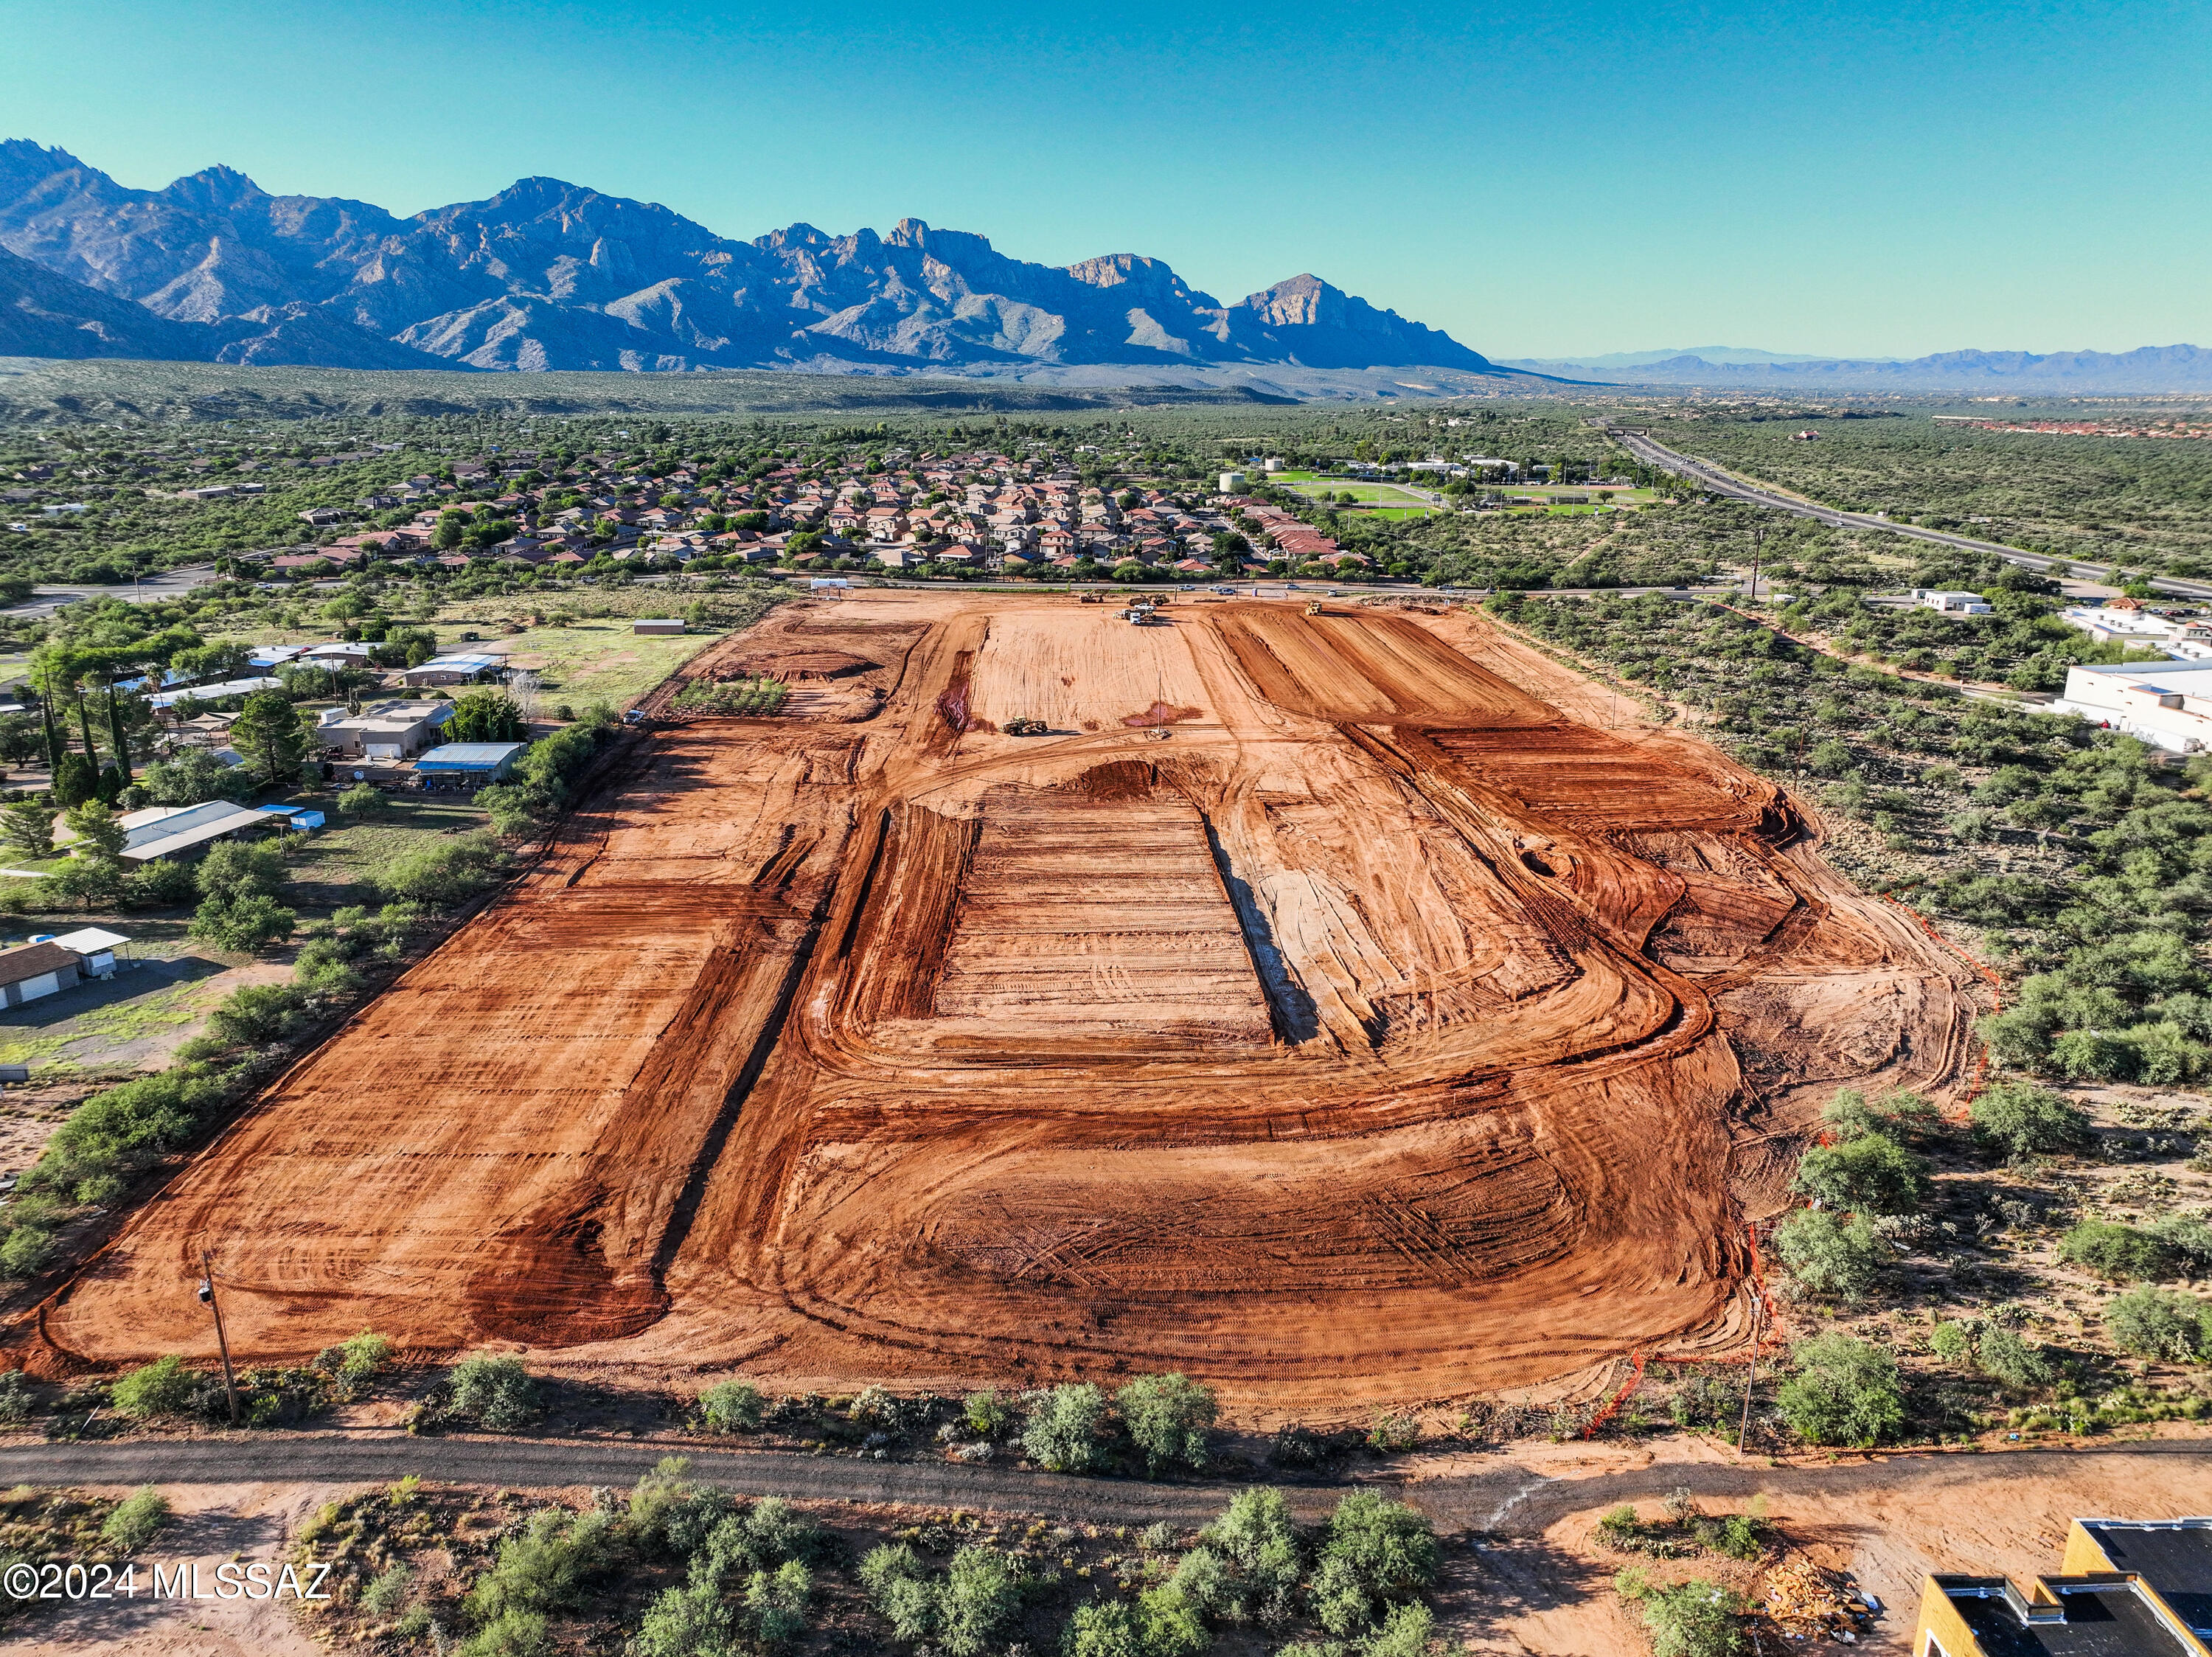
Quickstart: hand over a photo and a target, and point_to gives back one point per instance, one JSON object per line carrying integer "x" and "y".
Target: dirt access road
{"x": 1348, "y": 1010}
{"x": 1531, "y": 1578}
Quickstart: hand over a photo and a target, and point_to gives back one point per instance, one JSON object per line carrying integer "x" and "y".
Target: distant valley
{"x": 2152, "y": 370}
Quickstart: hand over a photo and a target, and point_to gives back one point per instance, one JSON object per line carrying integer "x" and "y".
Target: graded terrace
{"x": 1344, "y": 1008}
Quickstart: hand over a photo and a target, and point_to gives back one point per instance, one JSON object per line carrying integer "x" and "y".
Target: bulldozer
{"x": 1313, "y": 607}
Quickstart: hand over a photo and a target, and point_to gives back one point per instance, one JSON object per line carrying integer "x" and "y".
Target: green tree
{"x": 1842, "y": 1392}
{"x": 76, "y": 781}
{"x": 731, "y": 1406}
{"x": 1828, "y": 1255}
{"x": 234, "y": 870}
{"x": 1870, "y": 1174}
{"x": 1167, "y": 1417}
{"x": 2021, "y": 1121}
{"x": 244, "y": 928}
{"x": 28, "y": 827}
{"x": 486, "y": 715}
{"x": 192, "y": 776}
{"x": 97, "y": 834}
{"x": 272, "y": 735}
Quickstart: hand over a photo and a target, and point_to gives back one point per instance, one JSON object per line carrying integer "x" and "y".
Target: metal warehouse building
{"x": 476, "y": 763}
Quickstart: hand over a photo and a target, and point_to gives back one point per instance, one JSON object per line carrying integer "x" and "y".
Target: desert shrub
{"x": 1706, "y": 1402}
{"x": 1870, "y": 1174}
{"x": 1374, "y": 1550}
{"x": 2021, "y": 1121}
{"x": 669, "y": 1513}
{"x": 355, "y": 1361}
{"x": 510, "y": 1634}
{"x": 386, "y": 1595}
{"x": 27, "y": 1248}
{"x": 446, "y": 874}
{"x": 1738, "y": 1536}
{"x": 137, "y": 1519}
{"x": 1059, "y": 1430}
{"x": 2188, "y": 1240}
{"x": 115, "y": 1132}
{"x": 1167, "y": 1417}
{"x": 163, "y": 1387}
{"x": 1246, "y": 1566}
{"x": 731, "y": 1406}
{"x": 2160, "y": 1323}
{"x": 2120, "y": 1252}
{"x": 1953, "y": 1343}
{"x": 361, "y": 800}
{"x": 1829, "y": 1256}
{"x": 1693, "y": 1618}
{"x": 496, "y": 1393}
{"x": 15, "y": 1397}
{"x": 988, "y": 1415}
{"x": 550, "y": 1567}
{"x": 2004, "y": 1356}
{"x": 260, "y": 1016}
{"x": 776, "y": 1603}
{"x": 979, "y": 1599}
{"x": 1843, "y": 1391}
{"x": 1850, "y": 1115}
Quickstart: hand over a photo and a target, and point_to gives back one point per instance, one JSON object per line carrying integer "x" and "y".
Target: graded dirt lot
{"x": 1315, "y": 1008}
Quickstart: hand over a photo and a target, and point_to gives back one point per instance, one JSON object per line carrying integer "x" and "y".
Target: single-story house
{"x": 31, "y": 971}
{"x": 337, "y": 655}
{"x": 390, "y": 730}
{"x": 212, "y": 693}
{"x": 160, "y": 830}
{"x": 463, "y": 669}
{"x": 471, "y": 763}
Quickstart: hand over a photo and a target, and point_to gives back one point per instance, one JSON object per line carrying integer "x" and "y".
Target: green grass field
{"x": 1382, "y": 494}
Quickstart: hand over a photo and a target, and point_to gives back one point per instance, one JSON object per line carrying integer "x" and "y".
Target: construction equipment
{"x": 1025, "y": 727}
{"x": 1313, "y": 607}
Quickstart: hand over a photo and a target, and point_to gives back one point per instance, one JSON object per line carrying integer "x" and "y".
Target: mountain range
{"x": 547, "y": 275}
{"x": 2152, "y": 369}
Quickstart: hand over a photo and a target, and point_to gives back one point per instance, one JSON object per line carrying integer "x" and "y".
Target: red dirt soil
{"x": 1372, "y": 1037}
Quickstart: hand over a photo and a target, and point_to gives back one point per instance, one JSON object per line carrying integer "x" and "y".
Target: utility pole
{"x": 223, "y": 1342}
{"x": 1757, "y": 534}
{"x": 1750, "y": 1375}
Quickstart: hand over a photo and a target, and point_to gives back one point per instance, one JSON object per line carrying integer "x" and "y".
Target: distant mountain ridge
{"x": 548, "y": 275}
{"x": 2151, "y": 370}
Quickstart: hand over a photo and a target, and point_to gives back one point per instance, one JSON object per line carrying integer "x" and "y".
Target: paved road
{"x": 169, "y": 584}
{"x": 1509, "y": 1500}
{"x": 1724, "y": 482}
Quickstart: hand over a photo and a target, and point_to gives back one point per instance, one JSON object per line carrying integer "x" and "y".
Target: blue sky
{"x": 1868, "y": 179}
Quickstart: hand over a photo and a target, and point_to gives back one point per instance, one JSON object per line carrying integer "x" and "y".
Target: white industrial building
{"x": 2162, "y": 702}
{"x": 1951, "y": 604}
{"x": 2186, "y": 638}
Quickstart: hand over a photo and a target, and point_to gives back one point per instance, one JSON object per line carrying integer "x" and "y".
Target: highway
{"x": 1720, "y": 482}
